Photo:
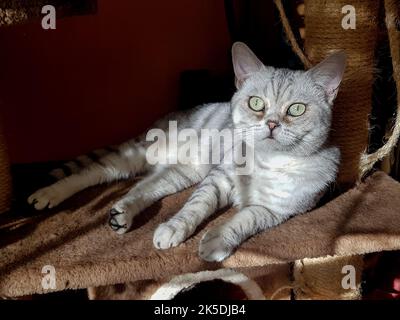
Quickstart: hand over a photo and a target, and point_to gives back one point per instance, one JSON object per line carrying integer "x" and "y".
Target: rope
{"x": 279, "y": 290}
{"x": 290, "y": 35}
{"x": 367, "y": 161}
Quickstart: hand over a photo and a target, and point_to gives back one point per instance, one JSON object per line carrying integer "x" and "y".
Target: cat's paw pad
{"x": 168, "y": 236}
{"x": 122, "y": 214}
{"x": 47, "y": 197}
{"x": 213, "y": 246}
{"x": 119, "y": 220}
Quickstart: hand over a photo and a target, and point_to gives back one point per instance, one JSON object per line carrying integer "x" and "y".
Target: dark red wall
{"x": 100, "y": 79}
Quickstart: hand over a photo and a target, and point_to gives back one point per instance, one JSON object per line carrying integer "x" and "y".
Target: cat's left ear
{"x": 329, "y": 73}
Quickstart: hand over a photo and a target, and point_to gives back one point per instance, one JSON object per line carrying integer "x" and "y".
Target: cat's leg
{"x": 129, "y": 160}
{"x": 213, "y": 193}
{"x": 219, "y": 242}
{"x": 164, "y": 181}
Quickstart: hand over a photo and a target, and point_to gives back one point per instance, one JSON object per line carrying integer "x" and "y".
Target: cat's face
{"x": 285, "y": 110}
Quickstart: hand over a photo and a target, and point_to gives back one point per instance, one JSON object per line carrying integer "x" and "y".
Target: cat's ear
{"x": 245, "y": 62}
{"x": 329, "y": 73}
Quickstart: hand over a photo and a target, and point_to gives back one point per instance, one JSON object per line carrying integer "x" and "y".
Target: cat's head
{"x": 286, "y": 110}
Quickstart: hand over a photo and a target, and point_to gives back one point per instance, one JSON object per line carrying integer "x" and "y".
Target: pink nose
{"x": 272, "y": 124}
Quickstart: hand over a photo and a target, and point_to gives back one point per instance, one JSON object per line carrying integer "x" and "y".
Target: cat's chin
{"x": 268, "y": 144}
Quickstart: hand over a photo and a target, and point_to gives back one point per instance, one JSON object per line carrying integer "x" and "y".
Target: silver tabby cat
{"x": 289, "y": 114}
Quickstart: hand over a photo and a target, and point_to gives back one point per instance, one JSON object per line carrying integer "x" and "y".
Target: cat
{"x": 288, "y": 113}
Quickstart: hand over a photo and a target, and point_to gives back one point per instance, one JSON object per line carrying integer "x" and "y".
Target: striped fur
{"x": 81, "y": 162}
{"x": 293, "y": 165}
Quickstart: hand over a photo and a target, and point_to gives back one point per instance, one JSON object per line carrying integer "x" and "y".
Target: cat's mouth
{"x": 270, "y": 137}
{"x": 269, "y": 140}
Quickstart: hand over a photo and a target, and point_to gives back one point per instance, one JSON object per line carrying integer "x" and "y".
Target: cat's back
{"x": 208, "y": 116}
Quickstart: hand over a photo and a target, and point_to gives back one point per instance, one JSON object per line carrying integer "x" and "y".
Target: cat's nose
{"x": 272, "y": 124}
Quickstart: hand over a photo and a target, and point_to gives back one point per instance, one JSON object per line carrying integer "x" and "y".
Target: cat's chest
{"x": 275, "y": 180}
{"x": 278, "y": 168}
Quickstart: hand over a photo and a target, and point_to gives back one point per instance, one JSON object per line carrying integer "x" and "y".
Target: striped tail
{"x": 81, "y": 162}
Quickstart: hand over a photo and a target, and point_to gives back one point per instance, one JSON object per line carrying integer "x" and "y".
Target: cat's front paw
{"x": 122, "y": 214}
{"x": 213, "y": 245}
{"x": 48, "y": 197}
{"x": 119, "y": 220}
{"x": 168, "y": 235}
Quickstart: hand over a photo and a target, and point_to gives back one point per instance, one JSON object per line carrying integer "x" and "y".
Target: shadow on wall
{"x": 100, "y": 79}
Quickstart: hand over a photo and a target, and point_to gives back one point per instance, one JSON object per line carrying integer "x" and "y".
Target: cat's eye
{"x": 256, "y": 104}
{"x": 296, "y": 109}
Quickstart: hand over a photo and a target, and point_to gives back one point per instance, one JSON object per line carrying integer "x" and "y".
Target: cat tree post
{"x": 14, "y": 12}
{"x": 324, "y": 34}
{"x": 5, "y": 176}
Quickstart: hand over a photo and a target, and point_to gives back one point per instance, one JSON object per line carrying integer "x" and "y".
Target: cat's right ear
{"x": 245, "y": 62}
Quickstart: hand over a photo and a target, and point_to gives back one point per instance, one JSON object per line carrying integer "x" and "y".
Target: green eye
{"x": 256, "y": 104}
{"x": 296, "y": 109}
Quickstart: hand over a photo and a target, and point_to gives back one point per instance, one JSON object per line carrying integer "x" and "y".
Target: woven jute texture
{"x": 15, "y": 12}
{"x": 328, "y": 278}
{"x": 325, "y": 34}
{"x": 5, "y": 177}
{"x": 21, "y": 11}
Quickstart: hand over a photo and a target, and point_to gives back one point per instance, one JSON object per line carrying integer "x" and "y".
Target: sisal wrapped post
{"x": 325, "y": 34}
{"x": 328, "y": 278}
{"x": 14, "y": 12}
{"x": 5, "y": 176}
